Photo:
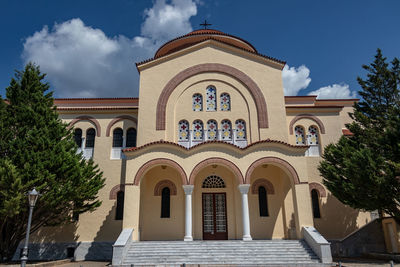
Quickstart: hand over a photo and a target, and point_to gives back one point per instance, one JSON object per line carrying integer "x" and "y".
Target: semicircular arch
{"x": 87, "y": 118}
{"x": 117, "y": 119}
{"x": 307, "y": 116}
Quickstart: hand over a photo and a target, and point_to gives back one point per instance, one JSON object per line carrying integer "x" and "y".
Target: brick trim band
{"x": 156, "y": 162}
{"x": 275, "y": 161}
{"x": 218, "y": 161}
{"x": 87, "y": 118}
{"x": 307, "y": 116}
{"x": 162, "y": 184}
{"x": 253, "y": 88}
{"x": 117, "y": 119}
{"x": 321, "y": 190}
{"x": 262, "y": 182}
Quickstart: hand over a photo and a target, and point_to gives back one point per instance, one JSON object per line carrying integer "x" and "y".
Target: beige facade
{"x": 259, "y": 159}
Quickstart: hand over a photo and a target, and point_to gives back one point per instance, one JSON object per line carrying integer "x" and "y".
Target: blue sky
{"x": 88, "y": 48}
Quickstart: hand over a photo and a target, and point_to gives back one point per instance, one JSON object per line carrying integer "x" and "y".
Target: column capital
{"x": 244, "y": 188}
{"x": 188, "y": 189}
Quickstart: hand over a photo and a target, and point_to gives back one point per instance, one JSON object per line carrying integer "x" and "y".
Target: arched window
{"x": 226, "y": 128}
{"x": 315, "y": 203}
{"x": 78, "y": 137}
{"x": 225, "y": 102}
{"x": 165, "y": 202}
{"x": 183, "y": 130}
{"x": 197, "y": 130}
{"x": 213, "y": 181}
{"x": 118, "y": 137}
{"x": 119, "y": 214}
{"x": 90, "y": 135}
{"x": 212, "y": 130}
{"x": 197, "y": 102}
{"x": 299, "y": 131}
{"x": 131, "y": 137}
{"x": 263, "y": 201}
{"x": 211, "y": 98}
{"x": 312, "y": 136}
{"x": 240, "y": 130}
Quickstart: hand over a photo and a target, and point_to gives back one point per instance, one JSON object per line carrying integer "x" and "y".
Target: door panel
{"x": 214, "y": 216}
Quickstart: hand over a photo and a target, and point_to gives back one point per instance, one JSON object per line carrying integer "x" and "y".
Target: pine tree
{"x": 37, "y": 150}
{"x": 363, "y": 170}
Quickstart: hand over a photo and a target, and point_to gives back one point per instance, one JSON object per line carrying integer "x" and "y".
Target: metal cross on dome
{"x": 205, "y": 24}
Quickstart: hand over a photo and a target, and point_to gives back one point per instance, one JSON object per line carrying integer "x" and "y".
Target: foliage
{"x": 363, "y": 170}
{"x": 37, "y": 150}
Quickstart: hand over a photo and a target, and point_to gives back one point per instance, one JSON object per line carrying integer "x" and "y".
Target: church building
{"x": 211, "y": 150}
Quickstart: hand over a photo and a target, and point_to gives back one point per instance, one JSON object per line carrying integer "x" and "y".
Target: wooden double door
{"x": 215, "y": 225}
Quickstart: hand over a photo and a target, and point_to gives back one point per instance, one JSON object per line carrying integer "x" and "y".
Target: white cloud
{"x": 81, "y": 61}
{"x": 295, "y": 79}
{"x": 337, "y": 91}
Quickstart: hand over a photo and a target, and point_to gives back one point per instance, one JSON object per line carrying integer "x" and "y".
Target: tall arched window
{"x": 225, "y": 102}
{"x": 183, "y": 130}
{"x": 165, "y": 202}
{"x": 211, "y": 98}
{"x": 118, "y": 137}
{"x": 315, "y": 203}
{"x": 312, "y": 136}
{"x": 78, "y": 137}
{"x": 226, "y": 128}
{"x": 240, "y": 126}
{"x": 119, "y": 211}
{"x": 90, "y": 136}
{"x": 299, "y": 131}
{"x": 197, "y": 130}
{"x": 197, "y": 102}
{"x": 263, "y": 201}
{"x": 131, "y": 137}
{"x": 212, "y": 130}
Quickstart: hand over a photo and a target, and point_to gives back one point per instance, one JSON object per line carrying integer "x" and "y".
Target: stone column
{"x": 302, "y": 207}
{"x": 244, "y": 189}
{"x": 188, "y": 212}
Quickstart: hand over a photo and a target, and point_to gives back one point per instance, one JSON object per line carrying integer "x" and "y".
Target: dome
{"x": 198, "y": 36}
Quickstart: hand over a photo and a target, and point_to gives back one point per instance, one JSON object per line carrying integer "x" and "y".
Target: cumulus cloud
{"x": 81, "y": 61}
{"x": 334, "y": 91}
{"x": 295, "y": 79}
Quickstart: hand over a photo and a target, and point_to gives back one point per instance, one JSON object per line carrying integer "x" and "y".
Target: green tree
{"x": 38, "y": 150}
{"x": 363, "y": 170}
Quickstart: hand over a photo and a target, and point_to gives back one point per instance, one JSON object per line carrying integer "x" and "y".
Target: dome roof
{"x": 198, "y": 36}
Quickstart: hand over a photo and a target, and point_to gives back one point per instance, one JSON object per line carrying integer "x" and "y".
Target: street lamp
{"x": 32, "y": 197}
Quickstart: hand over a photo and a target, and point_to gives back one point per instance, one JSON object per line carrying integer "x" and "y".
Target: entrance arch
{"x": 157, "y": 162}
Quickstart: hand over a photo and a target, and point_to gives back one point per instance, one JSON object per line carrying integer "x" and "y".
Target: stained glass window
{"x": 90, "y": 135}
{"x": 312, "y": 136}
{"x": 131, "y": 137}
{"x": 211, "y": 99}
{"x": 226, "y": 128}
{"x": 240, "y": 130}
{"x": 213, "y": 181}
{"x": 197, "y": 102}
{"x": 78, "y": 137}
{"x": 212, "y": 130}
{"x": 117, "y": 137}
{"x": 197, "y": 130}
{"x": 183, "y": 130}
{"x": 225, "y": 102}
{"x": 299, "y": 131}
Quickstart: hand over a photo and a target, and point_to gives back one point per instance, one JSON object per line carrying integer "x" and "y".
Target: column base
{"x": 188, "y": 238}
{"x": 247, "y": 238}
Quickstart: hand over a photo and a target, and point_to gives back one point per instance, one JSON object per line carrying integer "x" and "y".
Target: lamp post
{"x": 32, "y": 197}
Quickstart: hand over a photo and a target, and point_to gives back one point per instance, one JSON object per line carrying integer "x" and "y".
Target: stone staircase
{"x": 232, "y": 252}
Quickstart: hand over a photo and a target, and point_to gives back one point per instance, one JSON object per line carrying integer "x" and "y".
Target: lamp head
{"x": 32, "y": 197}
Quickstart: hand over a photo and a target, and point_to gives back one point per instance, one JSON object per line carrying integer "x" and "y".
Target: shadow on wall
{"x": 101, "y": 247}
{"x": 337, "y": 220}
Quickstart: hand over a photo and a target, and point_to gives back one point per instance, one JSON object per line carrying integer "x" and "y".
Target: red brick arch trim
{"x": 87, "y": 118}
{"x": 275, "y": 161}
{"x": 157, "y": 162}
{"x": 117, "y": 119}
{"x": 262, "y": 182}
{"x": 253, "y": 88}
{"x": 321, "y": 190}
{"x": 162, "y": 184}
{"x": 307, "y": 116}
{"x": 115, "y": 190}
{"x": 218, "y": 161}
